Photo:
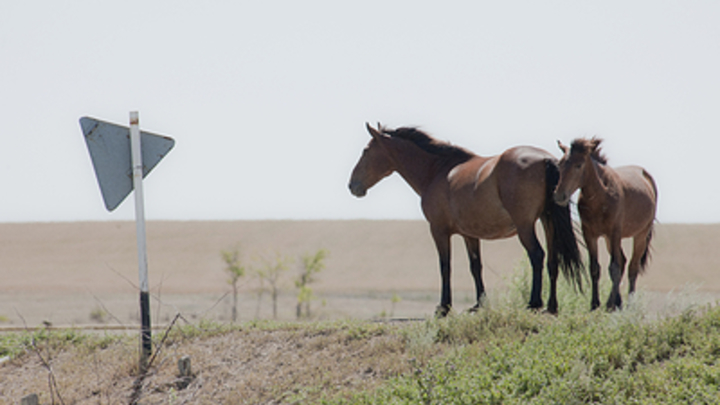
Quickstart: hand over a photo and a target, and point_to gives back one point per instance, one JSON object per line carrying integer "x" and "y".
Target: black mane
{"x": 589, "y": 146}
{"x": 429, "y": 144}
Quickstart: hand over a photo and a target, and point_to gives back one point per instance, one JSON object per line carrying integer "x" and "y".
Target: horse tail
{"x": 645, "y": 258}
{"x": 565, "y": 246}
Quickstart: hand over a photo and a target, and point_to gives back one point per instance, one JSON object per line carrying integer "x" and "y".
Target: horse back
{"x": 639, "y": 198}
{"x": 466, "y": 198}
{"x": 521, "y": 174}
{"x": 489, "y": 197}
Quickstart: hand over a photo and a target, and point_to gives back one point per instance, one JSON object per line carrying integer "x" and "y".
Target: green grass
{"x": 509, "y": 357}
{"x": 506, "y": 354}
{"x": 13, "y": 345}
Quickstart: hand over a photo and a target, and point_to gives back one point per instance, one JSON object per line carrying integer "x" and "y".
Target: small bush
{"x": 98, "y": 315}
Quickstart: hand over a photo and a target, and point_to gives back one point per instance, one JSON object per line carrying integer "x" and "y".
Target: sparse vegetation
{"x": 271, "y": 271}
{"x": 236, "y": 270}
{"x": 260, "y": 289}
{"x": 311, "y": 265}
{"x": 502, "y": 354}
{"x": 269, "y": 277}
{"x": 98, "y": 315}
{"x": 15, "y": 345}
{"x": 394, "y": 300}
{"x": 518, "y": 357}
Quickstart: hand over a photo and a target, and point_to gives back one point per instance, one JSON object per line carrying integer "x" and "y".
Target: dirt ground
{"x": 86, "y": 272}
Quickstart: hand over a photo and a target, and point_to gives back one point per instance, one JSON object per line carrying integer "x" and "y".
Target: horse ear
{"x": 373, "y": 132}
{"x": 562, "y": 147}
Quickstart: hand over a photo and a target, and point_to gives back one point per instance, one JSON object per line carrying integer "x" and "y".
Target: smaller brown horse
{"x": 478, "y": 198}
{"x": 614, "y": 203}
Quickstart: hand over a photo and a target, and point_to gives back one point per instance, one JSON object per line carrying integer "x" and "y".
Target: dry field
{"x": 63, "y": 272}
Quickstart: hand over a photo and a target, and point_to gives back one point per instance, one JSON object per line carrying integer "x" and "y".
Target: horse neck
{"x": 594, "y": 187}
{"x": 416, "y": 166}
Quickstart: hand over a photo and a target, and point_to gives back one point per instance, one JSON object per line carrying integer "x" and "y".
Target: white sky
{"x": 267, "y": 100}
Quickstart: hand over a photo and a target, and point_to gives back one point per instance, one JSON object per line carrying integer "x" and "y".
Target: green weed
{"x": 506, "y": 354}
{"x": 13, "y": 345}
{"x": 575, "y": 359}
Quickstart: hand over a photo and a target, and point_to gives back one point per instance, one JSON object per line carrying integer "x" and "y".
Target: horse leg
{"x": 536, "y": 255}
{"x": 592, "y": 247}
{"x": 617, "y": 267}
{"x": 640, "y": 245}
{"x": 442, "y": 243}
{"x": 552, "y": 266}
{"x": 473, "y": 250}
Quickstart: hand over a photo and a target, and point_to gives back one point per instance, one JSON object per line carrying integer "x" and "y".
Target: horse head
{"x": 572, "y": 166}
{"x": 374, "y": 165}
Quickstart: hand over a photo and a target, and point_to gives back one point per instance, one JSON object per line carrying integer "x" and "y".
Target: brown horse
{"x": 478, "y": 198}
{"x": 614, "y": 203}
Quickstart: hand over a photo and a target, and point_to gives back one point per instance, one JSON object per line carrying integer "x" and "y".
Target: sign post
{"x": 122, "y": 157}
{"x": 137, "y": 165}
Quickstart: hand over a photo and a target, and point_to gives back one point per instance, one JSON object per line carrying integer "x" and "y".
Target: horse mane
{"x": 589, "y": 146}
{"x": 429, "y": 144}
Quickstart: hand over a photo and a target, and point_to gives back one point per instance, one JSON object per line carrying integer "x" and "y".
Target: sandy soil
{"x": 63, "y": 272}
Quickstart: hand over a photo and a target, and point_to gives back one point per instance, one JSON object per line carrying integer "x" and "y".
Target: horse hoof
{"x": 442, "y": 311}
{"x": 475, "y": 308}
{"x": 534, "y": 308}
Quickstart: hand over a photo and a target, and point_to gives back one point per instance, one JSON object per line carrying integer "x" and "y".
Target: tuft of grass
{"x": 15, "y": 344}
{"x": 570, "y": 300}
{"x": 98, "y": 315}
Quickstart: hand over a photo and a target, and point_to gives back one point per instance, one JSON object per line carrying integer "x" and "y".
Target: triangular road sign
{"x": 109, "y": 147}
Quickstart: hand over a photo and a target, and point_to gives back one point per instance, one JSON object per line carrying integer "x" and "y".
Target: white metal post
{"x": 137, "y": 165}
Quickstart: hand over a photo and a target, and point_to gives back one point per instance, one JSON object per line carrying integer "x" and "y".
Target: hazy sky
{"x": 267, "y": 100}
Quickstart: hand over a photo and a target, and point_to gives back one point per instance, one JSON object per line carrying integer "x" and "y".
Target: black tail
{"x": 565, "y": 246}
{"x": 646, "y": 254}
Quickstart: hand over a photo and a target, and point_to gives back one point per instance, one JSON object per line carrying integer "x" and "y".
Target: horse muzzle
{"x": 561, "y": 199}
{"x": 357, "y": 189}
